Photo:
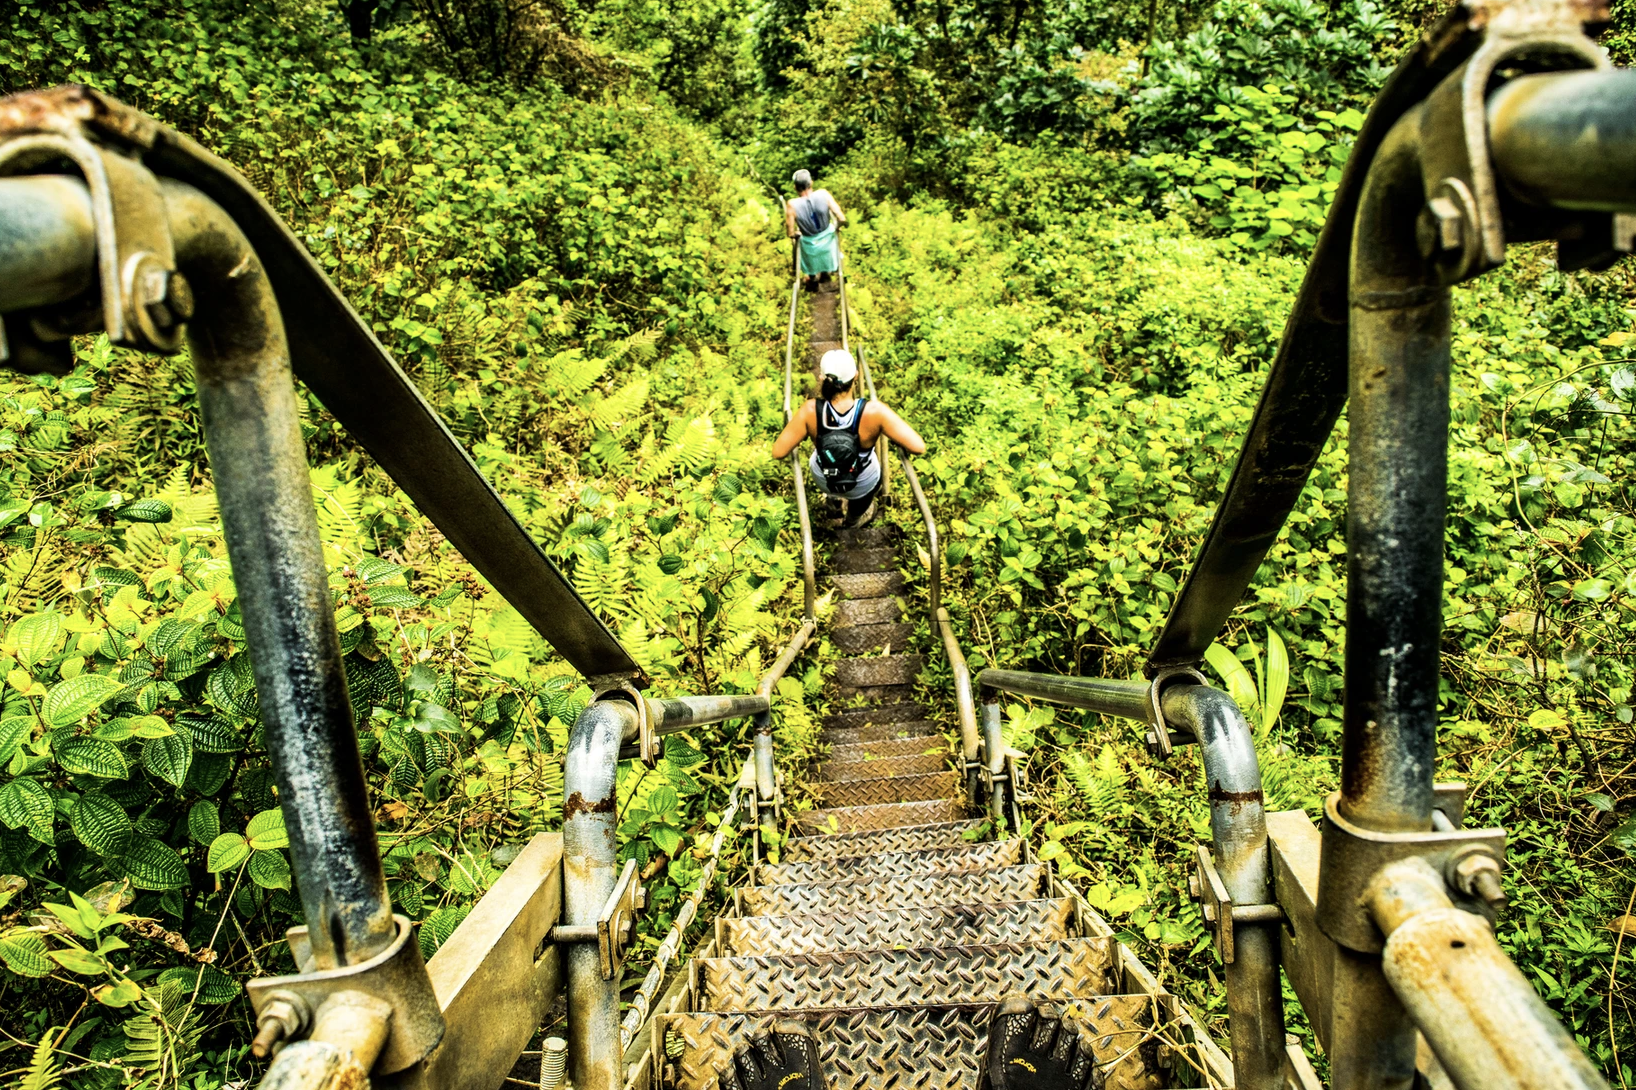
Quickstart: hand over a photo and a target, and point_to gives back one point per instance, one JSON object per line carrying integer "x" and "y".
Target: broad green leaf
{"x": 266, "y": 830}
{"x": 24, "y": 804}
{"x": 145, "y": 511}
{"x": 204, "y": 822}
{"x": 1240, "y": 686}
{"x": 101, "y": 824}
{"x": 91, "y": 757}
{"x": 24, "y": 953}
{"x": 169, "y": 758}
{"x": 270, "y": 870}
{"x": 211, "y": 734}
{"x": 227, "y": 851}
{"x": 666, "y": 839}
{"x": 120, "y": 994}
{"x": 1277, "y": 679}
{"x": 79, "y": 961}
{"x": 14, "y": 731}
{"x": 151, "y": 726}
{"x": 36, "y": 636}
{"x": 76, "y": 698}
{"x": 210, "y": 984}
{"x": 1547, "y": 719}
{"x": 154, "y": 865}
{"x": 393, "y": 597}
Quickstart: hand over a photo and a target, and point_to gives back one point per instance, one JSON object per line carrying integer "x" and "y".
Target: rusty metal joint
{"x": 1161, "y": 740}
{"x": 615, "y": 926}
{"x": 647, "y": 739}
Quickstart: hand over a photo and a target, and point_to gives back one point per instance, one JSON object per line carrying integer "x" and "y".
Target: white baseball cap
{"x": 838, "y": 363}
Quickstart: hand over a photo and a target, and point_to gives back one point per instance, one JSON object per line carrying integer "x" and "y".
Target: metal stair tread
{"x": 853, "y": 819}
{"x": 854, "y": 560}
{"x": 883, "y": 790}
{"x": 869, "y": 768}
{"x": 864, "y": 695}
{"x": 889, "y": 713}
{"x": 862, "y": 638}
{"x": 868, "y": 584}
{"x": 854, "y": 612}
{"x": 881, "y": 732}
{"x": 975, "y": 924}
{"x": 986, "y": 855}
{"x": 1057, "y": 969}
{"x": 923, "y": 1047}
{"x": 876, "y": 670}
{"x": 914, "y": 746}
{"x": 869, "y": 537}
{"x": 944, "y": 834}
{"x": 1026, "y": 882}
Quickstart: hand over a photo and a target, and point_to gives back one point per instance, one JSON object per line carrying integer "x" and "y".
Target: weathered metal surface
{"x": 492, "y": 981}
{"x": 876, "y": 792}
{"x": 858, "y": 639}
{"x": 851, "y": 612}
{"x": 854, "y": 561}
{"x": 869, "y": 537}
{"x": 906, "y": 838}
{"x": 869, "y": 585}
{"x": 857, "y": 819}
{"x": 1123, "y": 698}
{"x": 854, "y": 752}
{"x": 867, "y": 768}
{"x": 863, "y": 717}
{"x": 1057, "y": 969}
{"x": 881, "y": 732}
{"x": 1538, "y": 123}
{"x": 969, "y": 857}
{"x": 1022, "y": 883}
{"x": 937, "y": 925}
{"x": 877, "y": 670}
{"x": 910, "y": 1048}
{"x": 680, "y": 712}
{"x": 864, "y": 695}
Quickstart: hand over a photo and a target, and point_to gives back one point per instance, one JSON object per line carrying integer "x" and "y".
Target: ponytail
{"x": 833, "y": 388}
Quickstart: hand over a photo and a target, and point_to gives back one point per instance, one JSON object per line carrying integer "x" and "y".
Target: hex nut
{"x": 1441, "y": 227}
{"x": 1477, "y": 874}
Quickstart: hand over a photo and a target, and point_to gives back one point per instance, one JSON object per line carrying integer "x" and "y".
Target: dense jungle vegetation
{"x": 1077, "y": 230}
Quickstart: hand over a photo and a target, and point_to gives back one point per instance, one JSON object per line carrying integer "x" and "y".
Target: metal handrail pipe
{"x": 590, "y": 870}
{"x": 1537, "y": 125}
{"x": 781, "y": 665}
{"x": 965, "y": 703}
{"x": 1487, "y": 1025}
{"x": 809, "y": 561}
{"x": 666, "y": 715}
{"x": 48, "y": 242}
{"x": 935, "y": 561}
{"x": 1238, "y": 829}
{"x": 1126, "y": 699}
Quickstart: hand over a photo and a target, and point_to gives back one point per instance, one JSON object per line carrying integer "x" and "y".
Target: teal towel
{"x": 821, "y": 253}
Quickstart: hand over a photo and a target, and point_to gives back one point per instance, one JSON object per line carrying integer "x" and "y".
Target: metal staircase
{"x": 889, "y": 921}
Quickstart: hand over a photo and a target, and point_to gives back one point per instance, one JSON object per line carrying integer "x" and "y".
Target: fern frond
{"x": 42, "y": 1072}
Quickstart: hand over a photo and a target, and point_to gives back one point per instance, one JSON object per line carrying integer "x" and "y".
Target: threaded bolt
{"x": 553, "y": 1063}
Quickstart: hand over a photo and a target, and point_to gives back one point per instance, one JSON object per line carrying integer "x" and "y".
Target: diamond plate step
{"x": 858, "y": 819}
{"x": 908, "y": 838}
{"x": 891, "y": 713}
{"x": 865, "y": 752}
{"x": 866, "y": 695}
{"x": 911, "y": 928}
{"x": 860, "y": 638}
{"x": 850, "y": 561}
{"x": 869, "y": 585}
{"x": 883, "y": 732}
{"x": 883, "y": 790}
{"x": 910, "y": 764}
{"x": 988, "y": 855}
{"x": 1063, "y": 969}
{"x": 870, "y": 537}
{"x": 906, "y": 1048}
{"x": 1023, "y": 883}
{"x": 851, "y": 612}
{"x": 875, "y": 670}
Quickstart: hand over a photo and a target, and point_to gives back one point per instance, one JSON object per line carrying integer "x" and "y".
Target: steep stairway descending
{"x": 888, "y": 924}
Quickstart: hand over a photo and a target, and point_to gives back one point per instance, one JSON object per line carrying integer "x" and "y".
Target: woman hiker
{"x": 843, "y": 430}
{"x": 813, "y": 217}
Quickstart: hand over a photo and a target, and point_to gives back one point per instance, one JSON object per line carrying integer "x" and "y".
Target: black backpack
{"x": 841, "y": 454}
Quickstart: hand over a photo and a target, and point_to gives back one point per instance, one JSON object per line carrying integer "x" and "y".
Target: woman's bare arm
{"x": 897, "y": 431}
{"x": 795, "y": 431}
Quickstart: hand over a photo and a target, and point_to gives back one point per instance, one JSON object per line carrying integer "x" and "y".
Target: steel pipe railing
{"x": 1536, "y": 124}
{"x": 1126, "y": 699}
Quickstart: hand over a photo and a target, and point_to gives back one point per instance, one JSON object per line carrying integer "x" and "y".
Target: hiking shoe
{"x": 861, "y": 519}
{"x": 1033, "y": 1046}
{"x": 785, "y": 1058}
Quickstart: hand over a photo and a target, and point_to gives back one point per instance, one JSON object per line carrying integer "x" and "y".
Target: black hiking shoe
{"x": 1032, "y": 1046}
{"x": 786, "y": 1058}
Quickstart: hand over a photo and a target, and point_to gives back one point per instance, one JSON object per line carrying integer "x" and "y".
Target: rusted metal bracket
{"x": 615, "y": 925}
{"x": 396, "y": 980}
{"x": 648, "y": 748}
{"x": 1221, "y": 915}
{"x": 1161, "y": 740}
{"x": 1471, "y": 861}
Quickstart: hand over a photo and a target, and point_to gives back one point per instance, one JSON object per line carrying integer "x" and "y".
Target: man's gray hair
{"x": 802, "y": 179}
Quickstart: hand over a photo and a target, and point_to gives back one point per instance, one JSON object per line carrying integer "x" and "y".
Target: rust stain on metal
{"x": 576, "y": 804}
{"x": 1221, "y": 794}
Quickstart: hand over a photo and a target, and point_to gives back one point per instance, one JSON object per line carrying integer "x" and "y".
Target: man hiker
{"x": 813, "y": 216}
{"x": 843, "y": 429}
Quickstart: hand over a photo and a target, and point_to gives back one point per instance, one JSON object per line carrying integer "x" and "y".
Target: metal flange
{"x": 1351, "y": 856}
{"x": 615, "y": 926}
{"x": 1221, "y": 915}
